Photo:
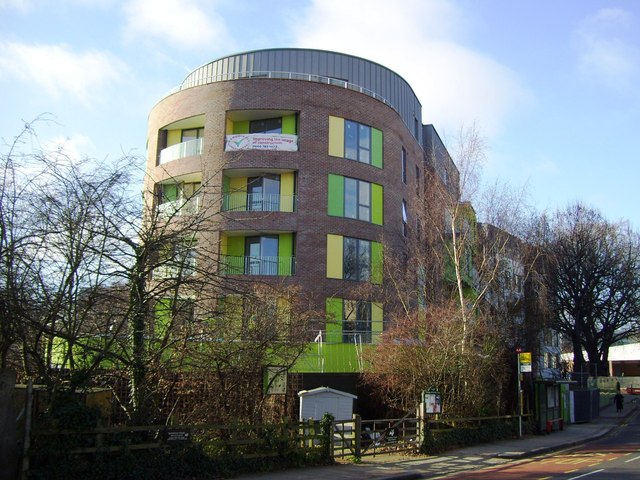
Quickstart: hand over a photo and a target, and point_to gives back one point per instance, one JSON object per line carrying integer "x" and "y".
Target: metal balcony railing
{"x": 257, "y": 202}
{"x": 182, "y": 206}
{"x": 247, "y": 265}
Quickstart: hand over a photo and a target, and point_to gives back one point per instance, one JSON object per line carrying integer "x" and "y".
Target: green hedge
{"x": 440, "y": 440}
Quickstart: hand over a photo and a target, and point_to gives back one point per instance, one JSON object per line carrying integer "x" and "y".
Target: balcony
{"x": 257, "y": 202}
{"x": 181, "y": 150}
{"x": 170, "y": 270}
{"x": 261, "y": 141}
{"x": 247, "y": 265}
{"x": 179, "y": 207}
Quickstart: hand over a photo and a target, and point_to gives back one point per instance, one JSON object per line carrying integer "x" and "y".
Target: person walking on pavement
{"x": 619, "y": 399}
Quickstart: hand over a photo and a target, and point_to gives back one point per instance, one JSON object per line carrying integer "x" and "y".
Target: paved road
{"x": 487, "y": 461}
{"x": 613, "y": 457}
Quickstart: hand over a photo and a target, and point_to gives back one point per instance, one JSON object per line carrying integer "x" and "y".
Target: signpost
{"x": 524, "y": 366}
{"x": 432, "y": 402}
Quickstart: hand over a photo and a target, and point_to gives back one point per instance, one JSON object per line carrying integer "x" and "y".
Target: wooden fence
{"x": 238, "y": 440}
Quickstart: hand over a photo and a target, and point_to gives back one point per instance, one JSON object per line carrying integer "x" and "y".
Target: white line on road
{"x": 586, "y": 474}
{"x": 632, "y": 459}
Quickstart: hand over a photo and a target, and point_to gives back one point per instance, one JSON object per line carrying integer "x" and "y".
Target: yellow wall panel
{"x": 334, "y": 256}
{"x": 174, "y": 137}
{"x": 287, "y": 185}
{"x": 376, "y": 321}
{"x": 336, "y": 136}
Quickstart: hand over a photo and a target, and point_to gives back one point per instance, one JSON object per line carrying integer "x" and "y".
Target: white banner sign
{"x": 262, "y": 141}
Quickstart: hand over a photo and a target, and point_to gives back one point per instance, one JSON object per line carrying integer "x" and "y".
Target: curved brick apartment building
{"x": 318, "y": 156}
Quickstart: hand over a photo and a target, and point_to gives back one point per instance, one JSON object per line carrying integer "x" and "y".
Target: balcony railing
{"x": 363, "y": 336}
{"x": 170, "y": 270}
{"x": 261, "y": 141}
{"x": 172, "y": 208}
{"x": 247, "y": 265}
{"x": 181, "y": 150}
{"x": 257, "y": 202}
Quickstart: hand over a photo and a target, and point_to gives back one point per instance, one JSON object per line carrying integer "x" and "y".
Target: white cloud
{"x": 20, "y": 5}
{"x": 75, "y": 147}
{"x": 59, "y": 71}
{"x": 606, "y": 52}
{"x": 184, "y": 24}
{"x": 421, "y": 40}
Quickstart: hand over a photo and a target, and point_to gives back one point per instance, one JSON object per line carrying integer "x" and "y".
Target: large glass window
{"x": 261, "y": 255}
{"x": 357, "y": 199}
{"x": 357, "y": 259}
{"x": 192, "y": 134}
{"x": 356, "y": 325}
{"x": 357, "y": 141}
{"x": 404, "y": 217}
{"x": 267, "y": 125}
{"x": 404, "y": 165}
{"x": 263, "y": 193}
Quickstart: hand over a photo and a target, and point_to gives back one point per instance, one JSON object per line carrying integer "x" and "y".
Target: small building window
{"x": 404, "y": 218}
{"x": 267, "y": 125}
{"x": 404, "y": 165}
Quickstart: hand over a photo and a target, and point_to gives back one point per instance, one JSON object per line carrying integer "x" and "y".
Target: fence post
{"x": 421, "y": 424}
{"x": 27, "y": 431}
{"x": 357, "y": 421}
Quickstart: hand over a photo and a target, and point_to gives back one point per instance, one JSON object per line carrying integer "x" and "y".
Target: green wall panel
{"x": 334, "y": 308}
{"x": 335, "y": 197}
{"x": 289, "y": 124}
{"x": 241, "y": 126}
{"x": 285, "y": 252}
{"x": 376, "y": 263}
{"x": 376, "y": 148}
{"x": 377, "y": 206}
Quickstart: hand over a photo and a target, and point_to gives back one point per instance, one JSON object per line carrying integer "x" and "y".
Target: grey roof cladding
{"x": 317, "y": 65}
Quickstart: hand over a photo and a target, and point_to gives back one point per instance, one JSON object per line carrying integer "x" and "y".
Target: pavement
{"x": 406, "y": 467}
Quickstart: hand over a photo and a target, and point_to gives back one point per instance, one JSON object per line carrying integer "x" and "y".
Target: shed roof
{"x": 319, "y": 390}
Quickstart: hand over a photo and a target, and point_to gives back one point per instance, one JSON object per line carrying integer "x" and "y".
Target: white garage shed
{"x": 315, "y": 403}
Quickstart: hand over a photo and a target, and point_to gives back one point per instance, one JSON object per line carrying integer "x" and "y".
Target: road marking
{"x": 632, "y": 459}
{"x": 586, "y": 474}
{"x": 571, "y": 471}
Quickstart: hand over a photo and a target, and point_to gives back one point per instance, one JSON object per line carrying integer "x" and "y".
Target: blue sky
{"x": 553, "y": 85}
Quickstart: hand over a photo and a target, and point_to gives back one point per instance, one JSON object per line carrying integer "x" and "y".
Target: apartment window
{"x": 263, "y": 193}
{"x": 404, "y": 166}
{"x": 261, "y": 255}
{"x": 353, "y": 198}
{"x": 357, "y": 141}
{"x": 178, "y": 198}
{"x": 267, "y": 125}
{"x": 177, "y": 260}
{"x": 356, "y": 325}
{"x": 357, "y": 199}
{"x": 356, "y": 259}
{"x": 404, "y": 218}
{"x": 192, "y": 134}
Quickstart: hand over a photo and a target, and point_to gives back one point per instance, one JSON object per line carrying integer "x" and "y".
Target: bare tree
{"x": 468, "y": 275}
{"x": 593, "y": 279}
